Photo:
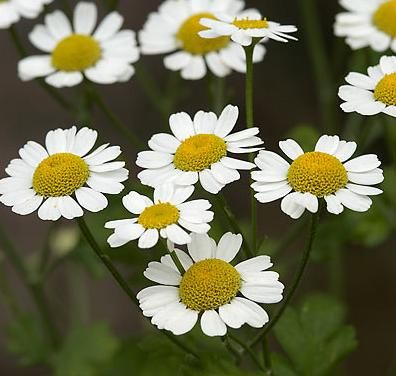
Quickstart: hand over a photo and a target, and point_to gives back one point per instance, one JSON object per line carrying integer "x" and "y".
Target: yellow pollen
{"x": 76, "y": 53}
{"x": 385, "y": 18}
{"x": 199, "y": 152}
{"x": 385, "y": 91}
{"x": 159, "y": 216}
{"x": 209, "y": 284}
{"x": 318, "y": 173}
{"x": 60, "y": 175}
{"x": 192, "y": 42}
{"x": 245, "y": 23}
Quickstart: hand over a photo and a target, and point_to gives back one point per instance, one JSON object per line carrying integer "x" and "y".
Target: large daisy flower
{"x": 174, "y": 29}
{"x": 166, "y": 217}
{"x": 245, "y": 28}
{"x": 12, "y": 10}
{"x": 198, "y": 150}
{"x": 368, "y": 23}
{"x": 373, "y": 93}
{"x": 50, "y": 179}
{"x": 323, "y": 173}
{"x": 103, "y": 56}
{"x": 220, "y": 293}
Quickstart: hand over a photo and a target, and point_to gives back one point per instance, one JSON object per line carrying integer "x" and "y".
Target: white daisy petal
{"x": 85, "y": 15}
{"x": 353, "y": 201}
{"x": 149, "y": 238}
{"x": 333, "y": 204}
{"x": 363, "y": 163}
{"x": 201, "y": 247}
{"x": 228, "y": 247}
{"x": 291, "y": 148}
{"x": 212, "y": 325}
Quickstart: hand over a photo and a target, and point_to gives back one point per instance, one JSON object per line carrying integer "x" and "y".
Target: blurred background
{"x": 295, "y": 95}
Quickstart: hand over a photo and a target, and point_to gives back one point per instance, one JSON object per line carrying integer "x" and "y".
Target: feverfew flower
{"x": 246, "y": 28}
{"x": 49, "y": 178}
{"x": 211, "y": 288}
{"x": 368, "y": 23}
{"x": 373, "y": 93}
{"x": 12, "y": 10}
{"x": 103, "y": 56}
{"x": 323, "y": 173}
{"x": 166, "y": 217}
{"x": 198, "y": 150}
{"x": 174, "y": 29}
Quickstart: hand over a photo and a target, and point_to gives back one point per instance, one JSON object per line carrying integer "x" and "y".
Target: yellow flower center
{"x": 209, "y": 284}
{"x": 318, "y": 173}
{"x": 192, "y": 42}
{"x": 385, "y": 18}
{"x": 159, "y": 216}
{"x": 76, "y": 53}
{"x": 60, "y": 175}
{"x": 245, "y": 23}
{"x": 385, "y": 91}
{"x": 199, "y": 152}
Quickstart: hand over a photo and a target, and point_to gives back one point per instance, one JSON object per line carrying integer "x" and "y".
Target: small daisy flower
{"x": 368, "y": 23}
{"x": 12, "y": 10}
{"x": 71, "y": 52}
{"x": 174, "y": 29}
{"x": 246, "y": 28}
{"x": 198, "y": 150}
{"x": 323, "y": 173}
{"x": 373, "y": 93}
{"x": 166, "y": 217}
{"x": 49, "y": 178}
{"x": 220, "y": 293}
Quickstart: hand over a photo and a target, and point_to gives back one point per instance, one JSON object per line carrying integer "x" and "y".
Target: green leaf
{"x": 281, "y": 366}
{"x": 314, "y": 336}
{"x": 85, "y": 351}
{"x": 306, "y": 135}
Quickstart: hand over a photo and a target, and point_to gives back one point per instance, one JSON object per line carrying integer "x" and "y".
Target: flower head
{"x": 12, "y": 10}
{"x": 368, "y": 23}
{"x": 247, "y": 27}
{"x": 166, "y": 217}
{"x": 103, "y": 55}
{"x": 198, "y": 150}
{"x": 211, "y": 288}
{"x": 325, "y": 173}
{"x": 175, "y": 28}
{"x": 48, "y": 178}
{"x": 373, "y": 93}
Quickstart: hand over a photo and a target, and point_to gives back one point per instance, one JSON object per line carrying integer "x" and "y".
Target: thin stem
{"x": 267, "y": 356}
{"x": 177, "y": 262}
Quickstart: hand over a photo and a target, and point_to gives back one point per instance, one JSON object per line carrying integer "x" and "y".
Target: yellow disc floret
{"x": 245, "y": 23}
{"x": 192, "y": 42}
{"x": 159, "y": 216}
{"x": 318, "y": 173}
{"x": 76, "y": 53}
{"x": 199, "y": 152}
{"x": 385, "y": 18}
{"x": 209, "y": 284}
{"x": 60, "y": 175}
{"x": 385, "y": 90}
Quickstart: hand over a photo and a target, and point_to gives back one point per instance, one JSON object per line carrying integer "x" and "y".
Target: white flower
{"x": 249, "y": 25}
{"x": 71, "y": 52}
{"x": 12, "y": 10}
{"x": 166, "y": 216}
{"x": 368, "y": 23}
{"x": 198, "y": 150}
{"x": 174, "y": 29}
{"x": 374, "y": 93}
{"x": 211, "y": 288}
{"x": 323, "y": 173}
{"x": 47, "y": 178}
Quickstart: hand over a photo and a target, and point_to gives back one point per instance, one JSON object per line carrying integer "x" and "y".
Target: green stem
{"x": 177, "y": 262}
{"x": 267, "y": 357}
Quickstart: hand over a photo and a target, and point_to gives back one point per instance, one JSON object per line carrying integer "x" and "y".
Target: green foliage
{"x": 314, "y": 337}
{"x": 306, "y": 135}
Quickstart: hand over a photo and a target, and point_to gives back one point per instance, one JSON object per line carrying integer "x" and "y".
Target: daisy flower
{"x": 174, "y": 29}
{"x": 245, "y": 29}
{"x": 166, "y": 217}
{"x": 47, "y": 178}
{"x": 198, "y": 150}
{"x": 374, "y": 93}
{"x": 71, "y": 52}
{"x": 220, "y": 293}
{"x": 368, "y": 23}
{"x": 12, "y": 10}
{"x": 325, "y": 173}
